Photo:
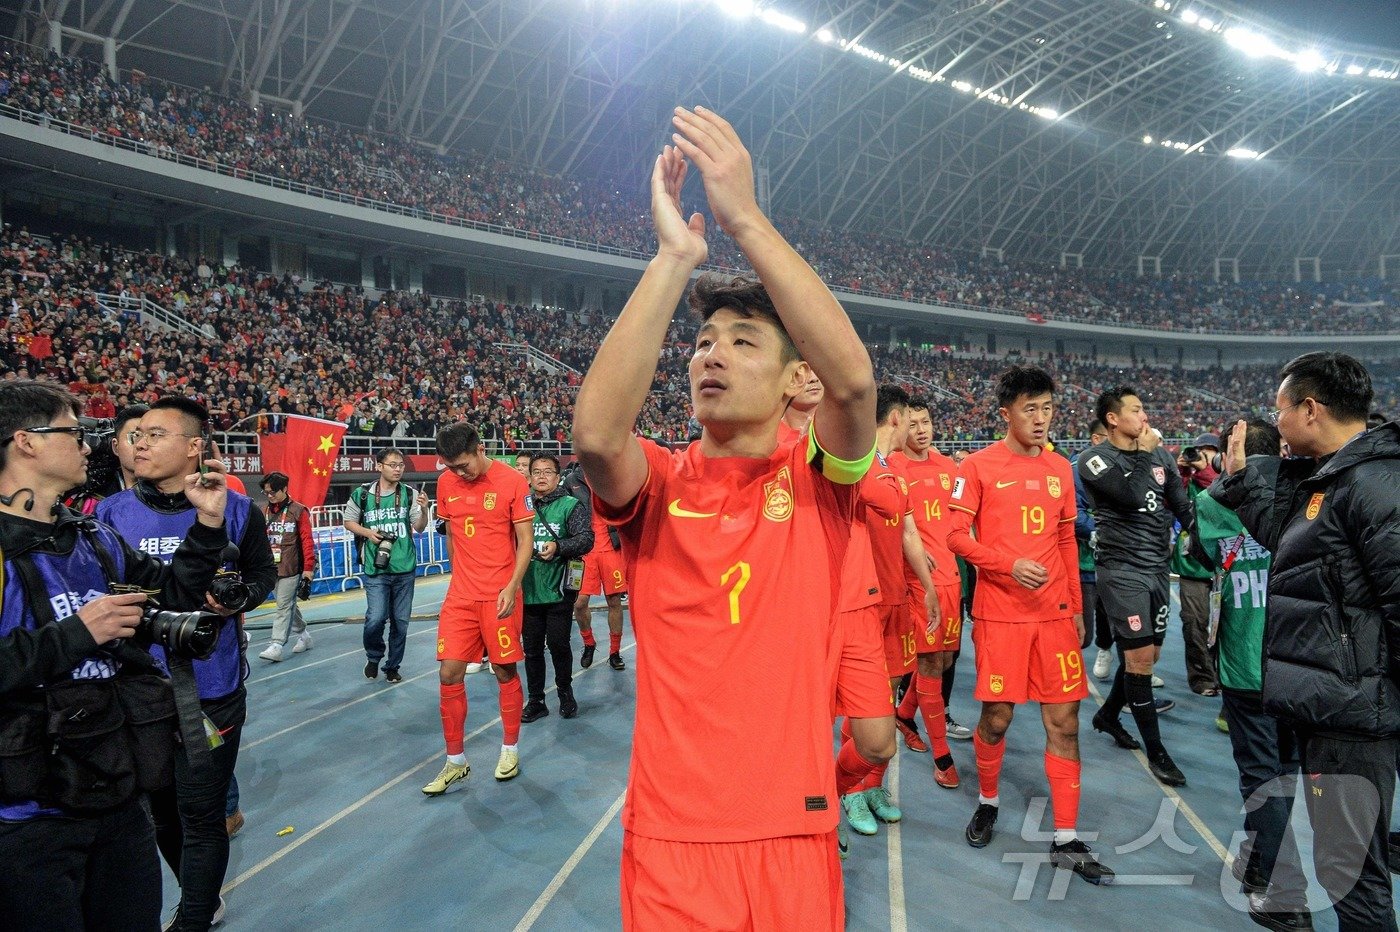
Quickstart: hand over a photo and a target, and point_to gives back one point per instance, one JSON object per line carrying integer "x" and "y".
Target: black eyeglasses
{"x": 77, "y": 430}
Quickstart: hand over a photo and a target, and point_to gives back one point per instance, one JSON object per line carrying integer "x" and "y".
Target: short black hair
{"x": 1111, "y": 401}
{"x": 1030, "y": 381}
{"x": 889, "y": 396}
{"x": 1096, "y": 426}
{"x": 918, "y": 403}
{"x": 1336, "y": 380}
{"x": 545, "y": 457}
{"x": 26, "y": 403}
{"x": 275, "y": 482}
{"x": 186, "y": 406}
{"x": 1260, "y": 438}
{"x": 387, "y": 452}
{"x": 129, "y": 413}
{"x": 456, "y": 439}
{"x": 745, "y": 296}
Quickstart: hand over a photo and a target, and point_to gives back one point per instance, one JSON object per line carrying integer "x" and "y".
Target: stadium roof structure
{"x": 1079, "y": 130}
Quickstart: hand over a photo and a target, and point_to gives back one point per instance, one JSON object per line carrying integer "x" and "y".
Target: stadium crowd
{"x": 401, "y": 364}
{"x": 170, "y": 121}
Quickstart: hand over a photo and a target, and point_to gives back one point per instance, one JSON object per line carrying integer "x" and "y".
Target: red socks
{"x": 1063, "y": 776}
{"x": 929, "y": 693}
{"x": 614, "y": 642}
{"x": 851, "y": 769}
{"x": 452, "y": 705}
{"x": 588, "y": 640}
{"x": 876, "y": 777}
{"x": 512, "y": 701}
{"x": 988, "y": 765}
{"x": 910, "y": 703}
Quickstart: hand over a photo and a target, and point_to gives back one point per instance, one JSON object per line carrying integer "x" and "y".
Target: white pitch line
{"x": 344, "y": 705}
{"x": 368, "y": 797}
{"x": 538, "y": 908}
{"x": 1221, "y": 850}
{"x": 316, "y": 663}
{"x": 898, "y": 915}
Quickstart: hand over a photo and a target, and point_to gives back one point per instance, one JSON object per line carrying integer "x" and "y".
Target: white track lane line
{"x": 538, "y": 908}
{"x": 898, "y": 916}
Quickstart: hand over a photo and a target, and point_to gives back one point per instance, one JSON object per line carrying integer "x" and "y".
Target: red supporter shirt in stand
{"x": 733, "y": 564}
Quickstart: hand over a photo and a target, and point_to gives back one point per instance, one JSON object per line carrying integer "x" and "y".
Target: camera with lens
{"x": 187, "y": 634}
{"x": 228, "y": 587}
{"x": 384, "y": 549}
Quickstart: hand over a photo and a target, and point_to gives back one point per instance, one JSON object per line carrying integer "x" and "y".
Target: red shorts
{"x": 862, "y": 680}
{"x": 900, "y": 642}
{"x": 947, "y": 634}
{"x": 769, "y": 884}
{"x": 603, "y": 572}
{"x": 467, "y": 630}
{"x": 1020, "y": 661}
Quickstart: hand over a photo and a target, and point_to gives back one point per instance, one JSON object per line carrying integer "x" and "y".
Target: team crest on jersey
{"x": 777, "y": 496}
{"x": 1315, "y": 505}
{"x": 947, "y": 481}
{"x": 489, "y": 502}
{"x": 1052, "y": 485}
{"x": 1135, "y": 622}
{"x": 996, "y": 685}
{"x": 959, "y": 486}
{"x": 1160, "y": 474}
{"x": 1097, "y": 464}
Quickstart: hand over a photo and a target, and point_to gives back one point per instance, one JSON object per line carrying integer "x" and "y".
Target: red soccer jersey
{"x": 481, "y": 518}
{"x": 1020, "y": 507}
{"x": 601, "y": 539}
{"x": 930, "y": 488}
{"x": 884, "y": 493}
{"x": 732, "y": 567}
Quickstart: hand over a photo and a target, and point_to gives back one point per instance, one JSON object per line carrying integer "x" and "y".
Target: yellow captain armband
{"x": 839, "y": 471}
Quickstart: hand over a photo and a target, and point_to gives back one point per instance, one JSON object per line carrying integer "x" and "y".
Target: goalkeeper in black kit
{"x": 1134, "y": 491}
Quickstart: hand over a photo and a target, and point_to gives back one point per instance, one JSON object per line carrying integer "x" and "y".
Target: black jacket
{"x": 32, "y": 656}
{"x": 1332, "y": 639}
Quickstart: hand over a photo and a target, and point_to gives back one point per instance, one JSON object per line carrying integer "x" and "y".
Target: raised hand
{"x": 711, "y": 143}
{"x": 681, "y": 239}
{"x": 1234, "y": 448}
{"x": 208, "y": 493}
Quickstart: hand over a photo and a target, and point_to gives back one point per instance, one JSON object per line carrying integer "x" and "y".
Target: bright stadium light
{"x": 1240, "y": 152}
{"x": 1354, "y": 70}
{"x": 1309, "y": 60}
{"x": 1147, "y": 140}
{"x": 1253, "y": 44}
{"x": 1190, "y": 17}
{"x": 783, "y": 21}
{"x": 739, "y": 9}
{"x": 826, "y": 35}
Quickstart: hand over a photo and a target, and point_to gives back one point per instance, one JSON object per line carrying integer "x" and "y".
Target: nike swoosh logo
{"x": 678, "y": 512}
{"x": 1007, "y": 485}
{"x": 453, "y": 498}
{"x": 1075, "y": 685}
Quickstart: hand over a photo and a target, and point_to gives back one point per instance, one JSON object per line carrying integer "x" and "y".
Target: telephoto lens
{"x": 384, "y": 550}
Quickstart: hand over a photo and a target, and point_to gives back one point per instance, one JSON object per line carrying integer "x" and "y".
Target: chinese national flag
{"x": 309, "y": 457}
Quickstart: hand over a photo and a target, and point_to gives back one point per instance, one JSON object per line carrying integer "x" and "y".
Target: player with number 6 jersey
{"x": 486, "y": 507}
{"x": 1017, "y": 498}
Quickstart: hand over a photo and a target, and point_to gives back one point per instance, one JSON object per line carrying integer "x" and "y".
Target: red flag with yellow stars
{"x": 309, "y": 458}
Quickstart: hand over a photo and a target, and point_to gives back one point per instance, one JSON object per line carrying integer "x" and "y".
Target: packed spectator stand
{"x": 401, "y": 364}
{"x": 170, "y": 121}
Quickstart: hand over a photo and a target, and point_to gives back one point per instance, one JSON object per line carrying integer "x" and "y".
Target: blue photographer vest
{"x": 72, "y": 580}
{"x": 159, "y": 535}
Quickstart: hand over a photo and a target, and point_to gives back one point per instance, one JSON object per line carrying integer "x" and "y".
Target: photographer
{"x": 381, "y": 512}
{"x": 152, "y": 516}
{"x": 294, "y": 552}
{"x": 80, "y": 854}
{"x": 1198, "y": 465}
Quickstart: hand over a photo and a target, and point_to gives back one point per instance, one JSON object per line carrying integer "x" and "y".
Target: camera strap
{"x": 191, "y": 713}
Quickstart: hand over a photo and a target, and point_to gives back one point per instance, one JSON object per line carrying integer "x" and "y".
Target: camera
{"x": 187, "y": 634}
{"x": 384, "y": 549}
{"x": 228, "y": 587}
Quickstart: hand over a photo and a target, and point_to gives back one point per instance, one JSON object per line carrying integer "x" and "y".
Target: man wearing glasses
{"x": 1330, "y": 516}
{"x": 381, "y": 512}
{"x": 563, "y": 533}
{"x": 84, "y": 862}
